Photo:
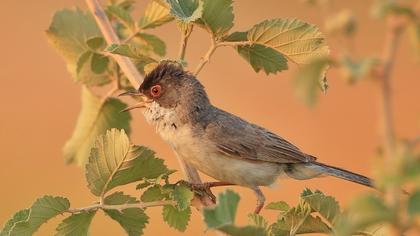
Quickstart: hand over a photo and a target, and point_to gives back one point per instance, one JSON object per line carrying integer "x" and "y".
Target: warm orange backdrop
{"x": 39, "y": 105}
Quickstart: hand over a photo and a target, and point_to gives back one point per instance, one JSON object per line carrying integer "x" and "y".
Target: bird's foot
{"x": 203, "y": 189}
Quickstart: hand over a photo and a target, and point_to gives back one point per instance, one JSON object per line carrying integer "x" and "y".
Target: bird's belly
{"x": 204, "y": 157}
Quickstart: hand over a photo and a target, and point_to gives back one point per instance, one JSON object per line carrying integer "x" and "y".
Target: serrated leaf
{"x": 99, "y": 63}
{"x": 122, "y": 15}
{"x": 41, "y": 211}
{"x": 281, "y": 206}
{"x": 19, "y": 216}
{"x": 259, "y": 221}
{"x": 153, "y": 193}
{"x": 296, "y": 224}
{"x": 326, "y": 206}
{"x": 68, "y": 33}
{"x": 310, "y": 79}
{"x": 114, "y": 161}
{"x": 95, "y": 43}
{"x": 263, "y": 58}
{"x": 353, "y": 70}
{"x": 96, "y": 116}
{"x": 127, "y": 50}
{"x": 133, "y": 220}
{"x": 413, "y": 205}
{"x": 183, "y": 196}
{"x": 84, "y": 57}
{"x": 365, "y": 211}
{"x": 157, "y": 45}
{"x": 76, "y": 224}
{"x": 225, "y": 211}
{"x": 186, "y": 10}
{"x": 143, "y": 185}
{"x": 218, "y": 16}
{"x": 155, "y": 15}
{"x": 175, "y": 218}
{"x": 242, "y": 231}
{"x": 298, "y": 41}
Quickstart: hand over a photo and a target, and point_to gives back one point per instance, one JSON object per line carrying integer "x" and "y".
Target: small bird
{"x": 218, "y": 143}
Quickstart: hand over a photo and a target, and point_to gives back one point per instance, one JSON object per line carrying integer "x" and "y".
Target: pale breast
{"x": 202, "y": 154}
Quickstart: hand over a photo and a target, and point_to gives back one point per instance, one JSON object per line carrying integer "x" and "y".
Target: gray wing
{"x": 238, "y": 138}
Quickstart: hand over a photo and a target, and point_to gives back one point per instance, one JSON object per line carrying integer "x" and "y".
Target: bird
{"x": 220, "y": 144}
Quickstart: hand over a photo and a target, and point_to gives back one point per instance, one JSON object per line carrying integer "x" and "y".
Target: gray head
{"x": 171, "y": 86}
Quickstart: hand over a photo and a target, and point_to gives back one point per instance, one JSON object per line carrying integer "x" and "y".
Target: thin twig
{"x": 121, "y": 207}
{"x": 185, "y": 35}
{"x": 206, "y": 57}
{"x": 130, "y": 70}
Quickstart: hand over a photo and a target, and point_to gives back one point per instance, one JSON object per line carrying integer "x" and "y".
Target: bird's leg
{"x": 204, "y": 188}
{"x": 260, "y": 199}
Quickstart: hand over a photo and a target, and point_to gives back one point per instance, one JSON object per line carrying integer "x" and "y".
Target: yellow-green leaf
{"x": 156, "y": 14}
{"x": 96, "y": 116}
{"x": 186, "y": 10}
{"x": 76, "y": 224}
{"x": 218, "y": 16}
{"x": 176, "y": 218}
{"x": 68, "y": 33}
{"x": 114, "y": 161}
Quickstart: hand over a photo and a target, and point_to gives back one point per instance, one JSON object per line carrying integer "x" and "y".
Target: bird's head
{"x": 169, "y": 85}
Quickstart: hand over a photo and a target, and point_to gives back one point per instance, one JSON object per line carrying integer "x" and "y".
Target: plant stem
{"x": 121, "y": 207}
{"x": 206, "y": 57}
{"x": 130, "y": 70}
{"x": 184, "y": 40}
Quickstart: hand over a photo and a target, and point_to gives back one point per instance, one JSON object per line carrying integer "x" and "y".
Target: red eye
{"x": 155, "y": 91}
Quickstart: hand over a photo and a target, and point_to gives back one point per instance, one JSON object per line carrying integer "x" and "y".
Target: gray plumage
{"x": 219, "y": 143}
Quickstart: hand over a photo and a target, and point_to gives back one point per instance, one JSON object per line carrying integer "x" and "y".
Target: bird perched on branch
{"x": 218, "y": 143}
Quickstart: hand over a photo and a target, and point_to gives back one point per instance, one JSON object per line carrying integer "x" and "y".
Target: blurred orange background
{"x": 40, "y": 104}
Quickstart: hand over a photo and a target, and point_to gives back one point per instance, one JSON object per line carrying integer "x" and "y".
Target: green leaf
{"x": 259, "y": 221}
{"x": 326, "y": 206}
{"x": 218, "y": 16}
{"x": 19, "y": 216}
{"x": 281, "y": 206}
{"x": 99, "y": 63}
{"x": 225, "y": 211}
{"x": 95, "y": 43}
{"x": 143, "y": 185}
{"x": 153, "y": 193}
{"x": 365, "y": 211}
{"x": 175, "y": 218}
{"x": 127, "y": 50}
{"x": 413, "y": 207}
{"x": 183, "y": 196}
{"x": 157, "y": 45}
{"x": 298, "y": 41}
{"x": 84, "y": 57}
{"x": 122, "y": 15}
{"x": 114, "y": 161}
{"x": 155, "y": 15}
{"x": 186, "y": 10}
{"x": 95, "y": 118}
{"x": 133, "y": 220}
{"x": 294, "y": 223}
{"x": 41, "y": 211}
{"x": 76, "y": 224}
{"x": 355, "y": 70}
{"x": 68, "y": 33}
{"x": 263, "y": 58}
{"x": 310, "y": 79}
{"x": 243, "y": 231}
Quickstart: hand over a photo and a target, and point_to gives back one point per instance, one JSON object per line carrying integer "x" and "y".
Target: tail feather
{"x": 315, "y": 169}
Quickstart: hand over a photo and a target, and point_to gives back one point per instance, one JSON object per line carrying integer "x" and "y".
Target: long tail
{"x": 314, "y": 169}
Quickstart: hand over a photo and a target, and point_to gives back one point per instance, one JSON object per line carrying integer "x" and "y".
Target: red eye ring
{"x": 155, "y": 91}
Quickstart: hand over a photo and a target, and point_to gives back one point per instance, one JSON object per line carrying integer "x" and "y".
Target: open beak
{"x": 141, "y": 104}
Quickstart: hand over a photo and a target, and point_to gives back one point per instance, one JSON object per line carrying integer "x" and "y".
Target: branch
{"x": 184, "y": 40}
{"x": 121, "y": 207}
{"x": 213, "y": 46}
{"x": 130, "y": 70}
